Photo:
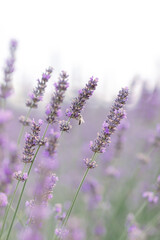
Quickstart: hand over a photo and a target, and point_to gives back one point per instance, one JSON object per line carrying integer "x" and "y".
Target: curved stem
{"x": 75, "y": 196}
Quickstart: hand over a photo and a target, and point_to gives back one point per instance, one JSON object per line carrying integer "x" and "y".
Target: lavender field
{"x": 78, "y": 168}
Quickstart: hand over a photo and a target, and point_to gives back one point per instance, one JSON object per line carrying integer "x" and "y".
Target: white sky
{"x": 110, "y": 39}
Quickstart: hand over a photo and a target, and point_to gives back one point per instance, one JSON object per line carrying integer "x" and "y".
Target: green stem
{"x": 9, "y": 206}
{"x": 24, "y": 185}
{"x": 22, "y": 128}
{"x": 13, "y": 196}
{"x": 7, "y": 209}
{"x": 75, "y": 196}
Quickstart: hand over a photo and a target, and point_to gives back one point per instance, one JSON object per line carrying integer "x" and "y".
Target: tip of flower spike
{"x": 64, "y": 74}
{"x": 50, "y": 70}
{"x": 94, "y": 79}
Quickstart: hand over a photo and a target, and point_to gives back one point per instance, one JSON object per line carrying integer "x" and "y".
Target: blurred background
{"x": 112, "y": 40}
{"x": 117, "y": 41}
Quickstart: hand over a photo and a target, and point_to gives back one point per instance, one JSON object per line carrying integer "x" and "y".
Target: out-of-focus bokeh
{"x": 113, "y": 40}
{"x": 117, "y": 41}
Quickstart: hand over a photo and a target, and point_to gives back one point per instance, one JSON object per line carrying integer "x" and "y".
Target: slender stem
{"x": 22, "y": 128}
{"x": 24, "y": 185}
{"x": 9, "y": 206}
{"x": 13, "y": 196}
{"x": 75, "y": 197}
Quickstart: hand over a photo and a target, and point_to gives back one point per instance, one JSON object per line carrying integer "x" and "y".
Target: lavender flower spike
{"x": 6, "y": 87}
{"x": 31, "y": 140}
{"x": 117, "y": 113}
{"x": 79, "y": 102}
{"x": 38, "y": 92}
{"x": 53, "y": 109}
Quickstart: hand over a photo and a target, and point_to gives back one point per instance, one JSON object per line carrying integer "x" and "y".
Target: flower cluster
{"x": 78, "y": 103}
{"x": 53, "y": 108}
{"x": 151, "y": 197}
{"x": 25, "y": 121}
{"x": 89, "y": 163}
{"x": 64, "y": 126}
{"x": 38, "y": 92}
{"x": 117, "y": 113}
{"x": 31, "y": 140}
{"x": 20, "y": 176}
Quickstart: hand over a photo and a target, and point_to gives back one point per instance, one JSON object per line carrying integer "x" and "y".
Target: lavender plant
{"x": 38, "y": 178}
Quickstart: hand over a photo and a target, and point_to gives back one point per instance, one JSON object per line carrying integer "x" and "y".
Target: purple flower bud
{"x": 31, "y": 140}
{"x": 90, "y": 164}
{"x": 25, "y": 121}
{"x": 151, "y": 197}
{"x": 58, "y": 208}
{"x": 20, "y": 176}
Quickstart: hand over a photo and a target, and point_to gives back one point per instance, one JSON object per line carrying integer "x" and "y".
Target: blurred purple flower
{"x": 151, "y": 197}
{"x": 6, "y": 88}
